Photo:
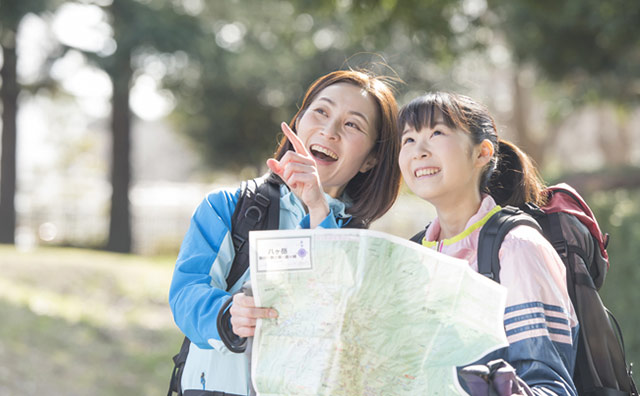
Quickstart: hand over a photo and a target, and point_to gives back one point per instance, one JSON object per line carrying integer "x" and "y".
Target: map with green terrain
{"x": 366, "y": 313}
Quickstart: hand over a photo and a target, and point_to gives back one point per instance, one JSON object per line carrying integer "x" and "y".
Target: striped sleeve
{"x": 536, "y": 319}
{"x": 539, "y": 320}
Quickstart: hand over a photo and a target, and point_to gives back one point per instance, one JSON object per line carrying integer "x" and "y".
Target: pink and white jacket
{"x": 539, "y": 319}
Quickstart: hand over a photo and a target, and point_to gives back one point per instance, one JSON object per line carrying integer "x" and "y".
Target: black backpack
{"x": 569, "y": 225}
{"x": 258, "y": 208}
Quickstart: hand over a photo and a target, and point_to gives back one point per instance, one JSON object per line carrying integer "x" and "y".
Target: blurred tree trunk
{"x": 138, "y": 26}
{"x": 521, "y": 111}
{"x": 614, "y": 135}
{"x": 120, "y": 217}
{"x": 538, "y": 137}
{"x": 626, "y": 135}
{"x": 9, "y": 93}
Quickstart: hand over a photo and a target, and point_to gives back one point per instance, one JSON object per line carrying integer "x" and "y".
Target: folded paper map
{"x": 366, "y": 313}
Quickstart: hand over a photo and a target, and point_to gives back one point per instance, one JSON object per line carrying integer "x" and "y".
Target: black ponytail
{"x": 515, "y": 180}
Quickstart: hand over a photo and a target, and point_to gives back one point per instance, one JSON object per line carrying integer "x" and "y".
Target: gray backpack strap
{"x": 493, "y": 233}
{"x": 417, "y": 238}
{"x": 258, "y": 208}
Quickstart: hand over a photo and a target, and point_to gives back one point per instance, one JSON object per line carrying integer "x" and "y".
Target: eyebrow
{"x": 355, "y": 113}
{"x": 435, "y": 125}
{"x": 407, "y": 130}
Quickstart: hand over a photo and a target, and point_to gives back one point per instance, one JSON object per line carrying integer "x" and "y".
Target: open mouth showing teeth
{"x": 427, "y": 172}
{"x": 323, "y": 153}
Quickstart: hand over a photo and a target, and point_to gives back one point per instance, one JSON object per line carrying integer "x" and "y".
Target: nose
{"x": 422, "y": 150}
{"x": 331, "y": 129}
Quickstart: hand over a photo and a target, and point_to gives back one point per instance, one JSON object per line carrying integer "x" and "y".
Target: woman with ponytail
{"x": 452, "y": 157}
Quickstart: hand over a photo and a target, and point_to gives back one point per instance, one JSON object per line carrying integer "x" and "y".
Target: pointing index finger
{"x": 294, "y": 139}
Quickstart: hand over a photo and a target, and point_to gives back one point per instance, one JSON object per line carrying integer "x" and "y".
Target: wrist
{"x": 320, "y": 207}
{"x": 318, "y": 213}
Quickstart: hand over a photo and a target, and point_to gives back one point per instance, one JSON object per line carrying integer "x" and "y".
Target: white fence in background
{"x": 161, "y": 211}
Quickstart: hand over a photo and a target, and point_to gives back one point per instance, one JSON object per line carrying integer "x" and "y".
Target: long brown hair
{"x": 372, "y": 192}
{"x": 510, "y": 177}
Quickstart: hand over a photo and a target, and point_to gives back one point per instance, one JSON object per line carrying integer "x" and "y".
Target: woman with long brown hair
{"x": 335, "y": 167}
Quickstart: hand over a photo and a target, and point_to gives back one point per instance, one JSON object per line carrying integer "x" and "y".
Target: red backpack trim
{"x": 564, "y": 198}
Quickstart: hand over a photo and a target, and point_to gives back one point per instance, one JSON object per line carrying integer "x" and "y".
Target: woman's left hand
{"x": 299, "y": 171}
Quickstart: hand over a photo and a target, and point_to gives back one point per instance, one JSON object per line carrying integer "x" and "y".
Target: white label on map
{"x": 283, "y": 254}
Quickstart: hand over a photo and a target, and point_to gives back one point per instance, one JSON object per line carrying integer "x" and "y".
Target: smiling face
{"x": 438, "y": 162}
{"x": 339, "y": 128}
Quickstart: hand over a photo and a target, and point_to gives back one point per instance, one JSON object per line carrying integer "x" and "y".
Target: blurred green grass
{"x": 85, "y": 322}
{"x": 82, "y": 322}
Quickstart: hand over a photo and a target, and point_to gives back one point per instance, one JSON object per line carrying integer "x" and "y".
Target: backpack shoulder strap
{"x": 493, "y": 233}
{"x": 258, "y": 208}
{"x": 417, "y": 238}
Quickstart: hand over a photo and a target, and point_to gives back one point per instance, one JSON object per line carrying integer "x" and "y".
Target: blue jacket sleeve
{"x": 198, "y": 286}
{"x": 543, "y": 364}
{"x": 329, "y": 222}
{"x": 538, "y": 362}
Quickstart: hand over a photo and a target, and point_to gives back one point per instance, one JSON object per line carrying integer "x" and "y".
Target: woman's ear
{"x": 484, "y": 152}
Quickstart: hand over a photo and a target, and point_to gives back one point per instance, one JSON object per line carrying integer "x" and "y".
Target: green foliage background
{"x": 618, "y": 213}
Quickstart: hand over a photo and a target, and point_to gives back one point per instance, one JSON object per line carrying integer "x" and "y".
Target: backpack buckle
{"x": 262, "y": 200}
{"x": 239, "y": 240}
{"x": 561, "y": 247}
{"x": 254, "y": 213}
{"x": 488, "y": 275}
{"x": 533, "y": 209}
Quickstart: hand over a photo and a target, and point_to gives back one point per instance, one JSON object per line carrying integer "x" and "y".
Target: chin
{"x": 427, "y": 195}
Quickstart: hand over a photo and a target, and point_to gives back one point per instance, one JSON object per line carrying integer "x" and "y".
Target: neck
{"x": 334, "y": 192}
{"x": 454, "y": 215}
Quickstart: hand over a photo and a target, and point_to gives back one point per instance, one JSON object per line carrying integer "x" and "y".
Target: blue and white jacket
{"x": 198, "y": 288}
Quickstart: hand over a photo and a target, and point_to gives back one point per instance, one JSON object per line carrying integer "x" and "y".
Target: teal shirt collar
{"x": 292, "y": 210}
